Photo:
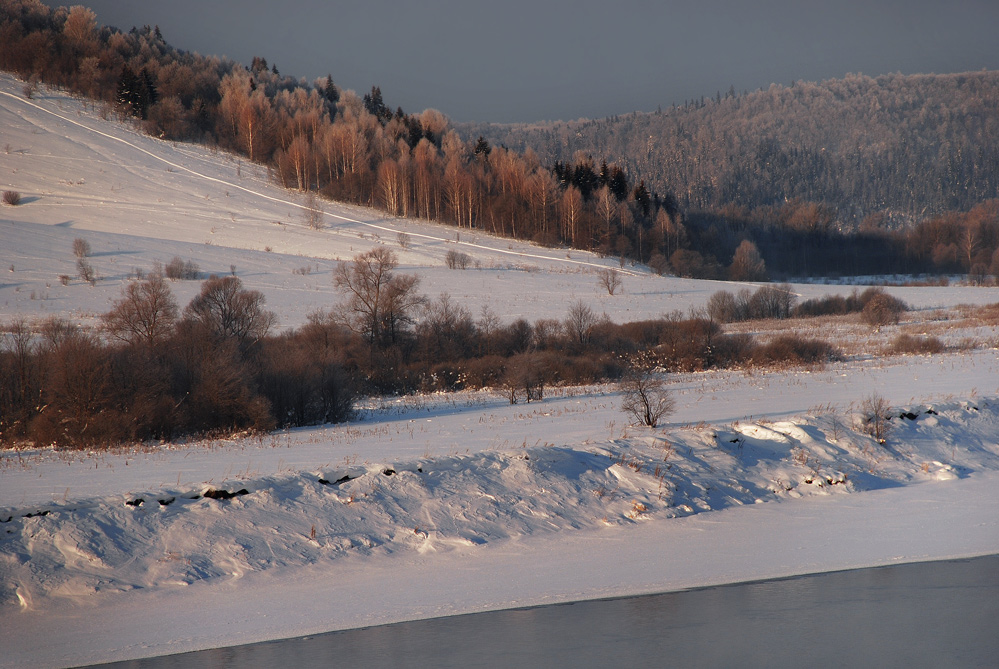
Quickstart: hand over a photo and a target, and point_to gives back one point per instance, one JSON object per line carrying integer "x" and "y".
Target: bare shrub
{"x": 646, "y": 398}
{"x": 457, "y": 260}
{"x": 81, "y": 248}
{"x": 875, "y": 417}
{"x": 825, "y": 306}
{"x": 64, "y": 279}
{"x": 86, "y": 271}
{"x": 313, "y": 211}
{"x": 30, "y": 87}
{"x": 179, "y": 269}
{"x": 524, "y": 379}
{"x": 404, "y": 240}
{"x": 772, "y": 301}
{"x": 722, "y": 307}
{"x": 658, "y": 263}
{"x": 11, "y": 197}
{"x": 905, "y": 343}
{"x": 609, "y": 280}
{"x": 795, "y": 350}
{"x": 881, "y": 309}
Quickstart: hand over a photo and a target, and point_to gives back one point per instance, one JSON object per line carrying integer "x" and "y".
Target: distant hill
{"x": 904, "y": 147}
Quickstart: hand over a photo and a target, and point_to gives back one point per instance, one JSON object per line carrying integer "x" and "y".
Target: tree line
{"x": 851, "y": 176}
{"x": 317, "y": 138}
{"x": 152, "y": 370}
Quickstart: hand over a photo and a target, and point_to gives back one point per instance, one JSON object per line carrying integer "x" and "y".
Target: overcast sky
{"x": 529, "y": 60}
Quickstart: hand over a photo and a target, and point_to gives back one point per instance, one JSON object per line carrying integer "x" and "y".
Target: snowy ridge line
{"x": 374, "y": 226}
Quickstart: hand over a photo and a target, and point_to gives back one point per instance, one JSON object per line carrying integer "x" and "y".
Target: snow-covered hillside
{"x": 434, "y": 505}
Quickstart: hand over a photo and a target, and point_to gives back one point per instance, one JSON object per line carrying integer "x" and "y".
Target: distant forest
{"x": 861, "y": 176}
{"x": 855, "y": 155}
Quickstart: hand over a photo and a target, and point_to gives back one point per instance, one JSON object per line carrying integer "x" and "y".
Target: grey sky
{"x": 528, "y": 60}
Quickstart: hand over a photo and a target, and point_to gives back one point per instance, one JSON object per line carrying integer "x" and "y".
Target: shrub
{"x": 179, "y": 269}
{"x": 646, "y": 398}
{"x": 524, "y": 379}
{"x": 658, "y": 263}
{"x": 609, "y": 279}
{"x": 722, "y": 307}
{"x": 86, "y": 271}
{"x": 312, "y": 212}
{"x": 875, "y": 417}
{"x": 905, "y": 343}
{"x": 880, "y": 308}
{"x": 796, "y": 350}
{"x": 11, "y": 197}
{"x": 457, "y": 260}
{"x": 830, "y": 305}
{"x": 81, "y": 247}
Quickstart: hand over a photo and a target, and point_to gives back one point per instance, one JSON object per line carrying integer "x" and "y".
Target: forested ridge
{"x": 854, "y": 176}
{"x": 899, "y": 145}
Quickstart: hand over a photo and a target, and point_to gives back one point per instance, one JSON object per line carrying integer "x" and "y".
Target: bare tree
{"x": 747, "y": 264}
{"x": 646, "y": 397}
{"x": 146, "y": 312}
{"x": 313, "y": 211}
{"x": 579, "y": 322}
{"x": 230, "y": 311}
{"x": 379, "y": 302}
{"x": 609, "y": 279}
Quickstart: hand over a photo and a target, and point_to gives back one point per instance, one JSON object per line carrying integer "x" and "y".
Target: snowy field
{"x": 443, "y": 504}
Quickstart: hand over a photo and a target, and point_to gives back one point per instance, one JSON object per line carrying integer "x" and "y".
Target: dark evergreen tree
{"x": 482, "y": 147}
{"x": 642, "y": 197}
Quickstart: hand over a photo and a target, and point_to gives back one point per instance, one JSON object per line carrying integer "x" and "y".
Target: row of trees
{"x": 154, "y": 370}
{"x": 318, "y": 138}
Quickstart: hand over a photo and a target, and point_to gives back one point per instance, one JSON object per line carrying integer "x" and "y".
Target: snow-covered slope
{"x": 443, "y": 504}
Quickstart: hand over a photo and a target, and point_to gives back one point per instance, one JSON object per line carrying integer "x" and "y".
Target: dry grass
{"x": 921, "y": 332}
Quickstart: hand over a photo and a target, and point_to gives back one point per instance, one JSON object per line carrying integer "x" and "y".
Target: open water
{"x": 929, "y": 614}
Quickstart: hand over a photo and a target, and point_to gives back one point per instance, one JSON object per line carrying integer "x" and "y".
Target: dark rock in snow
{"x": 225, "y": 494}
{"x": 135, "y": 502}
{"x": 908, "y": 415}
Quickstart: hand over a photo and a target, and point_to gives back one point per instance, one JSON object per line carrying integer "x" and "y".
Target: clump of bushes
{"x": 11, "y": 197}
{"x": 777, "y": 301}
{"x": 183, "y": 270}
{"x": 457, "y": 260}
{"x": 770, "y": 301}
